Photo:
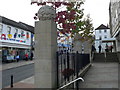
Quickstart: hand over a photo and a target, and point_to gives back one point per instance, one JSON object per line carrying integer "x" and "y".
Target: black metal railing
{"x": 69, "y": 65}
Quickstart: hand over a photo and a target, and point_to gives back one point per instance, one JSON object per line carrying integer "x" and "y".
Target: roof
{"x": 102, "y": 27}
{"x": 20, "y": 25}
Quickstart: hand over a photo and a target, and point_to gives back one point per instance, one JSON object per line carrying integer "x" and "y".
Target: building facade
{"x": 114, "y": 15}
{"x": 15, "y": 38}
{"x": 102, "y": 33}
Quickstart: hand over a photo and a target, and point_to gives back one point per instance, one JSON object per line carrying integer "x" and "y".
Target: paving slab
{"x": 101, "y": 75}
{"x": 14, "y": 64}
{"x": 26, "y": 83}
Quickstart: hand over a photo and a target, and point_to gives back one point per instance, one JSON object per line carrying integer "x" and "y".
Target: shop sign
{"x": 3, "y": 37}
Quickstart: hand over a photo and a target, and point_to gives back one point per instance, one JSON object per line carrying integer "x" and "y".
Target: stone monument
{"x": 45, "y": 48}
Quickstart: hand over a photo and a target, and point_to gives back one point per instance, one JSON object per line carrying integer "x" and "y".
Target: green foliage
{"x": 84, "y": 26}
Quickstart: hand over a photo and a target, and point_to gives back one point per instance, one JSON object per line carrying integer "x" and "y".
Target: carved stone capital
{"x": 46, "y": 13}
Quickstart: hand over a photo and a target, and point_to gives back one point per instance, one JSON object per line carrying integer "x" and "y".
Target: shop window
{"x": 105, "y": 30}
{"x": 27, "y": 35}
{"x": 16, "y": 32}
{"x": 22, "y": 34}
{"x": 105, "y": 36}
{"x": 1, "y": 27}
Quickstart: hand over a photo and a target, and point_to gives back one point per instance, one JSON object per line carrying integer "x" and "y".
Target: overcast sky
{"x": 21, "y": 10}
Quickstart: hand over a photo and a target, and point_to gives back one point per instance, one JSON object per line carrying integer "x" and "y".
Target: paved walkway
{"x": 14, "y": 64}
{"x": 101, "y": 75}
{"x": 26, "y": 83}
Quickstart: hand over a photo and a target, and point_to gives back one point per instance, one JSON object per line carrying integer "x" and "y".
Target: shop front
{"x": 15, "y": 43}
{"x": 9, "y": 53}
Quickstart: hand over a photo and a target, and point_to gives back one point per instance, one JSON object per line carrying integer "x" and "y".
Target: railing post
{"x": 11, "y": 85}
{"x": 68, "y": 62}
{"x": 77, "y": 71}
{"x": 61, "y": 63}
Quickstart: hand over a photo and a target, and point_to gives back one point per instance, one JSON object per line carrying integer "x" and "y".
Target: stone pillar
{"x": 45, "y": 48}
{"x": 78, "y": 46}
{"x": 87, "y": 46}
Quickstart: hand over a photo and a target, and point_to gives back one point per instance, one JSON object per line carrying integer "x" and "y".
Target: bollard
{"x": 11, "y": 81}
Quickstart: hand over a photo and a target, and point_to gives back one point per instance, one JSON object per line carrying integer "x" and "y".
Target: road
{"x": 19, "y": 73}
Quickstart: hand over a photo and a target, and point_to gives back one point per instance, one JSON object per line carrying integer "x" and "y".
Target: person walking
{"x": 111, "y": 47}
{"x": 31, "y": 55}
{"x": 26, "y": 56}
{"x": 93, "y": 48}
{"x": 17, "y": 57}
{"x": 107, "y": 50}
{"x": 100, "y": 47}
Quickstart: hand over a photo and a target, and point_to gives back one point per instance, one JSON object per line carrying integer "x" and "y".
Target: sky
{"x": 22, "y": 10}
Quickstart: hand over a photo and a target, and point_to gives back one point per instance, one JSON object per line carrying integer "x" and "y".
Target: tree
{"x": 70, "y": 21}
{"x": 87, "y": 32}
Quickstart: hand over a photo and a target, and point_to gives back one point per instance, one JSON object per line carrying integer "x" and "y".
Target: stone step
{"x": 110, "y": 57}
{"x": 99, "y": 57}
{"x": 101, "y": 75}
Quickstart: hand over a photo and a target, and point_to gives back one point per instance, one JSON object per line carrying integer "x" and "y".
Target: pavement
{"x": 15, "y": 64}
{"x": 101, "y": 75}
{"x": 26, "y": 83}
{"x": 10, "y": 68}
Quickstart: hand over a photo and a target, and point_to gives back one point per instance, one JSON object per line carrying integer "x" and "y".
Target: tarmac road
{"x": 19, "y": 73}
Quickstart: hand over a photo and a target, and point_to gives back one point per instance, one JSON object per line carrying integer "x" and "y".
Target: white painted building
{"x": 15, "y": 37}
{"x": 102, "y": 33}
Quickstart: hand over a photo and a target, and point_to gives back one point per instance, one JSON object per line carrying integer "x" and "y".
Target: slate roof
{"x": 20, "y": 25}
{"x": 102, "y": 27}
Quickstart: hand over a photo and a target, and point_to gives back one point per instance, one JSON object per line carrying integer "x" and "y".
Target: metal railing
{"x": 72, "y": 82}
{"x": 68, "y": 67}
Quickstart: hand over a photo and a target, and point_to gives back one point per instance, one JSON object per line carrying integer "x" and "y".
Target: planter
{"x": 67, "y": 73}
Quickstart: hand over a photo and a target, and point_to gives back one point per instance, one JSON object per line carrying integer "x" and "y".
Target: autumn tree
{"x": 70, "y": 21}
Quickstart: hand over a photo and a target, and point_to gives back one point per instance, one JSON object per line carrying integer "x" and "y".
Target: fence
{"x": 69, "y": 65}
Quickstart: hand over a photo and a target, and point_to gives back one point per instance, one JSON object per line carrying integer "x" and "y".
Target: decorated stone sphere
{"x": 46, "y": 12}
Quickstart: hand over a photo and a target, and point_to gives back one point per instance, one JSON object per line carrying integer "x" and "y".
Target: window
{"x": 16, "y": 33}
{"x": 16, "y": 30}
{"x": 1, "y": 27}
{"x": 100, "y": 38}
{"x": 99, "y": 31}
{"x": 22, "y": 34}
{"x": 105, "y": 30}
{"x": 9, "y": 30}
{"x": 105, "y": 36}
{"x": 27, "y": 35}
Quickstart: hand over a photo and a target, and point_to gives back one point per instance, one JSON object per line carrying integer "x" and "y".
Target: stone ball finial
{"x": 46, "y": 12}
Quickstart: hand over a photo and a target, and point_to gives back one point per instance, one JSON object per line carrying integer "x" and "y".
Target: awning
{"x": 108, "y": 40}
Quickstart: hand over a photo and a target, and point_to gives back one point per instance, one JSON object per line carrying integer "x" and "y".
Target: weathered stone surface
{"x": 45, "y": 49}
{"x": 46, "y": 12}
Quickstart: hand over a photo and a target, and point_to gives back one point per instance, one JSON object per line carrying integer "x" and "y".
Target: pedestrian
{"x": 26, "y": 56}
{"x": 100, "y": 47}
{"x": 93, "y": 48}
{"x": 111, "y": 47}
{"x": 107, "y": 50}
{"x": 17, "y": 57}
{"x": 31, "y": 55}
